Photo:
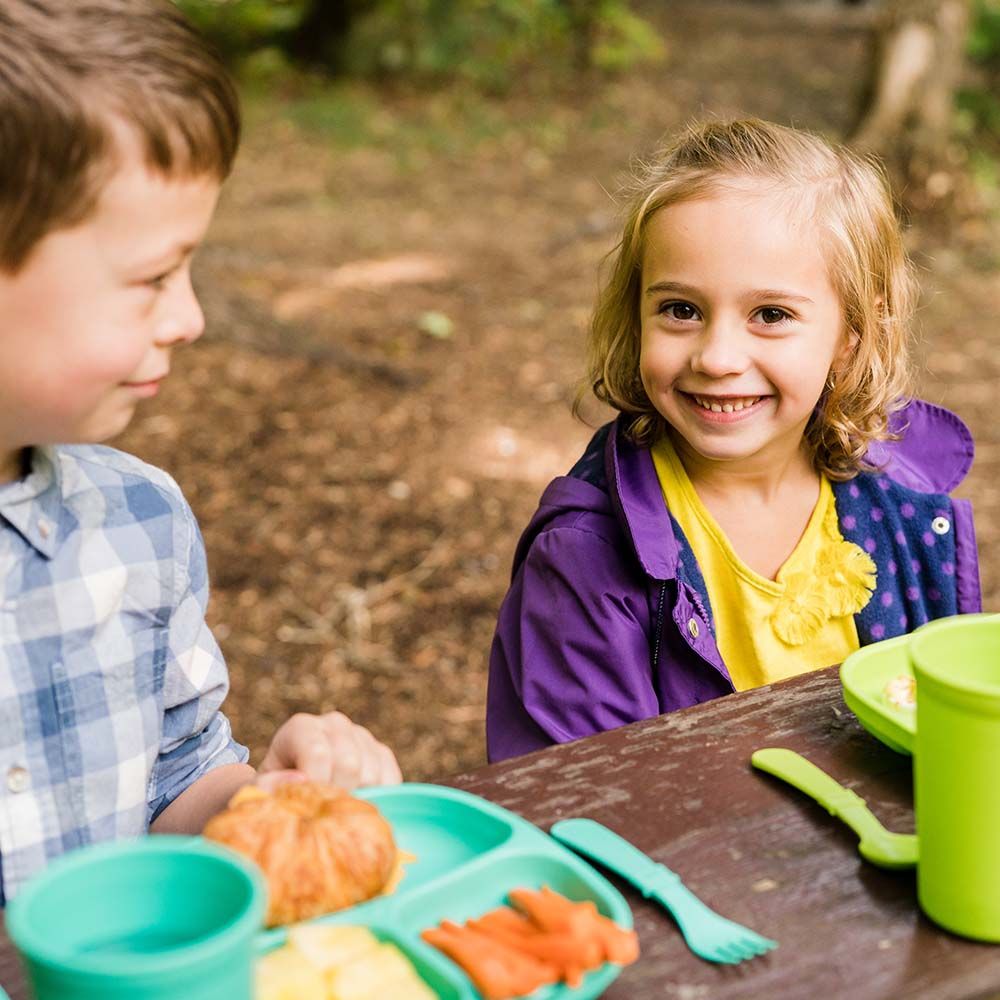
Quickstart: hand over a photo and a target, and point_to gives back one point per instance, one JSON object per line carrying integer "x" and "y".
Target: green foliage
{"x": 984, "y": 39}
{"x": 430, "y": 40}
{"x": 241, "y": 26}
{"x": 488, "y": 43}
{"x": 977, "y": 115}
{"x": 978, "y": 110}
{"x": 625, "y": 39}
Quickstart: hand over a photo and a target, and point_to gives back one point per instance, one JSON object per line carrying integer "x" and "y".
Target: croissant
{"x": 320, "y": 848}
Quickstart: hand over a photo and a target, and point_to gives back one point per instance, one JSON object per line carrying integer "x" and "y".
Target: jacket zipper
{"x": 659, "y": 624}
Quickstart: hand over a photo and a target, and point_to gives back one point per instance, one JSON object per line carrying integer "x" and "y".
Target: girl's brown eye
{"x": 771, "y": 314}
{"x": 680, "y": 310}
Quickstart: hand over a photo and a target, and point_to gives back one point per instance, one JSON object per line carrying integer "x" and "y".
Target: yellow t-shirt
{"x": 771, "y": 629}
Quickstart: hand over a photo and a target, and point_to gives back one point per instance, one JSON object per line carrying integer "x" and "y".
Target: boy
{"x": 117, "y": 128}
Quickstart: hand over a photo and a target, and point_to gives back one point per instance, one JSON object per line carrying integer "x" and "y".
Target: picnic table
{"x": 680, "y": 786}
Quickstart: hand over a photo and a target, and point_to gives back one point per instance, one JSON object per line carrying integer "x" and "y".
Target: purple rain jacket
{"x": 607, "y": 620}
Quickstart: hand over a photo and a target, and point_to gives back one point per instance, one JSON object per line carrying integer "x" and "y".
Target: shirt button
{"x": 940, "y": 526}
{"x": 17, "y": 778}
{"x": 693, "y": 627}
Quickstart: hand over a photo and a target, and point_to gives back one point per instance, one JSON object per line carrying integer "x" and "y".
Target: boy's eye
{"x": 770, "y": 315}
{"x": 683, "y": 311}
{"x": 159, "y": 281}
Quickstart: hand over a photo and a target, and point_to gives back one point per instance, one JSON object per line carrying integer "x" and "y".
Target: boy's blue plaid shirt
{"x": 110, "y": 680}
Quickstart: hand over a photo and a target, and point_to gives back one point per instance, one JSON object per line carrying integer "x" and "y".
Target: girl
{"x": 765, "y": 501}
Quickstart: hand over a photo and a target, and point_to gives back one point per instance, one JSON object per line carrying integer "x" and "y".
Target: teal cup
{"x": 157, "y": 918}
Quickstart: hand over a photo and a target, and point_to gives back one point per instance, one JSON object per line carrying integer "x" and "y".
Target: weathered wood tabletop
{"x": 681, "y": 788}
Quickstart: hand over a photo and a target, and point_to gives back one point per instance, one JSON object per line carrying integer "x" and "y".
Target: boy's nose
{"x": 720, "y": 351}
{"x": 183, "y": 320}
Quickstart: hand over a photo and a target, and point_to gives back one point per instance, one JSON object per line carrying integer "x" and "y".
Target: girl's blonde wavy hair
{"x": 848, "y": 196}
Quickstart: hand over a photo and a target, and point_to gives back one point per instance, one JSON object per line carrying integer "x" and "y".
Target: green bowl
{"x": 158, "y": 918}
{"x": 865, "y": 673}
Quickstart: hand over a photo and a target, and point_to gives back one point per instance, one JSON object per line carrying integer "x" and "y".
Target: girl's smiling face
{"x": 740, "y": 325}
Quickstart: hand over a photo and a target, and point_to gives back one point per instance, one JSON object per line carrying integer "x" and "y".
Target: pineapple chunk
{"x": 338, "y": 963}
{"x": 326, "y": 947}
{"x": 410, "y": 988}
{"x": 282, "y": 975}
{"x": 385, "y": 972}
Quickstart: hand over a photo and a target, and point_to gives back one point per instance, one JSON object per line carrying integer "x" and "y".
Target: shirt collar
{"x": 32, "y": 505}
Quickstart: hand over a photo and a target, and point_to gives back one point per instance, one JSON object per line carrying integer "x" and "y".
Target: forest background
{"x": 399, "y": 280}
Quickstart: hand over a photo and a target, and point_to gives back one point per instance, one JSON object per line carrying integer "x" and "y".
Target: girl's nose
{"x": 721, "y": 350}
{"x": 182, "y": 320}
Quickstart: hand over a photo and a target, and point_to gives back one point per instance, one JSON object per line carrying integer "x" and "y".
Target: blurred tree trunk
{"x": 324, "y": 30}
{"x": 918, "y": 66}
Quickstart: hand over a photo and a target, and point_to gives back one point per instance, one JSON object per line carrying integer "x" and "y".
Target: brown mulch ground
{"x": 361, "y": 483}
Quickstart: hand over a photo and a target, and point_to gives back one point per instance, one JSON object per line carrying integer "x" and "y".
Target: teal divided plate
{"x": 470, "y": 854}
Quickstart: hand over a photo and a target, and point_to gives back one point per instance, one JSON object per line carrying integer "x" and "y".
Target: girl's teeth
{"x": 727, "y": 407}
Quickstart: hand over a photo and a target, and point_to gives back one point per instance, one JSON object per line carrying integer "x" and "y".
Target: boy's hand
{"x": 330, "y": 749}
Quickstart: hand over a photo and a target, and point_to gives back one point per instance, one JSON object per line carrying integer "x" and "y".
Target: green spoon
{"x": 878, "y": 845}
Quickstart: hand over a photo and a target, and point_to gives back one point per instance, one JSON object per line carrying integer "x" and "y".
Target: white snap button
{"x": 44, "y": 527}
{"x": 693, "y": 628}
{"x": 17, "y": 778}
{"x": 940, "y": 526}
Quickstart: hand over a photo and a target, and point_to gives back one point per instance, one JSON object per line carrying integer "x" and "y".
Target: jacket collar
{"x": 933, "y": 455}
{"x": 934, "y": 452}
{"x": 638, "y": 500}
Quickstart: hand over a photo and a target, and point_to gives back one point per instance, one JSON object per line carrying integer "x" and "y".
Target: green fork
{"x": 708, "y": 935}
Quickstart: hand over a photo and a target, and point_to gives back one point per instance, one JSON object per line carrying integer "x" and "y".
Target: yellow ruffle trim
{"x": 841, "y": 583}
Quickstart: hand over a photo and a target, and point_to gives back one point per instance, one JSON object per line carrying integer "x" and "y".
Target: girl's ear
{"x": 851, "y": 337}
{"x": 847, "y": 345}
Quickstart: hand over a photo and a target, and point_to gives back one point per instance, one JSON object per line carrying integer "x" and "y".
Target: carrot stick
{"x": 572, "y": 956}
{"x": 511, "y": 952}
{"x": 536, "y": 971}
{"x": 557, "y": 947}
{"x": 619, "y": 945}
{"x": 487, "y": 972}
{"x": 553, "y": 911}
{"x": 509, "y": 919}
{"x": 498, "y": 970}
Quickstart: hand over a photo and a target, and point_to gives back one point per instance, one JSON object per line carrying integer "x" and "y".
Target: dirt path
{"x": 361, "y": 483}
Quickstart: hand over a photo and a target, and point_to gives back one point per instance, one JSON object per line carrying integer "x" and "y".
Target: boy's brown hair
{"x": 71, "y": 69}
